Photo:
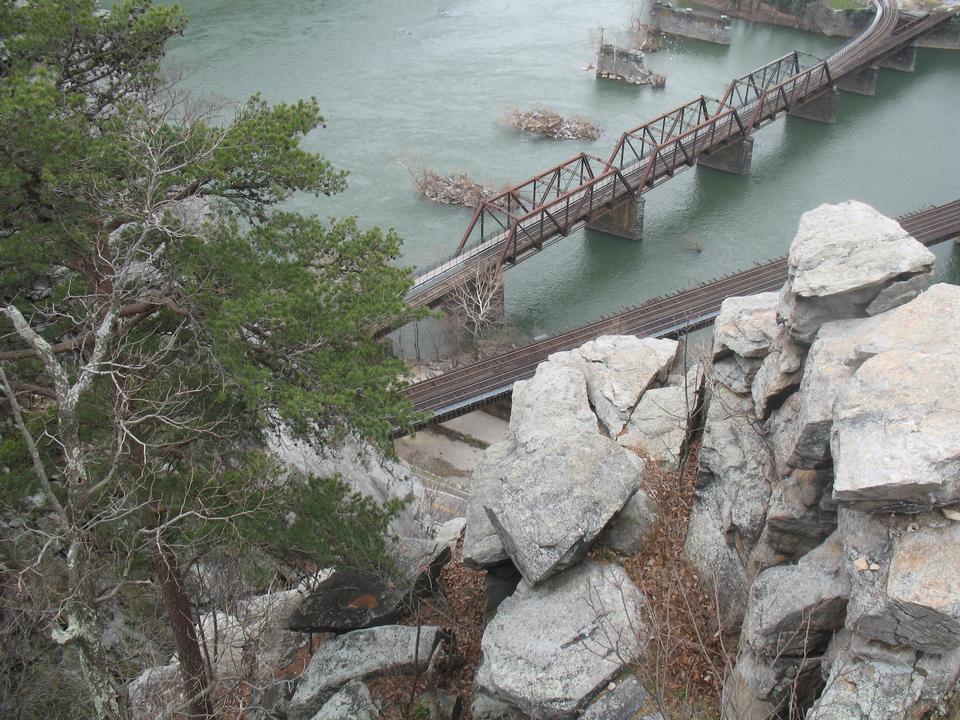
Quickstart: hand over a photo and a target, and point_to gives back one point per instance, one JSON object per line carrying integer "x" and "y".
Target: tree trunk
{"x": 177, "y": 605}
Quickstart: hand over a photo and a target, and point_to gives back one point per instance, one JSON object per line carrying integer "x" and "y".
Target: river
{"x": 420, "y": 83}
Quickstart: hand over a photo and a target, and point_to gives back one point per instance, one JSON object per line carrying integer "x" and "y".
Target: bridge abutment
{"x": 820, "y": 108}
{"x": 903, "y": 61}
{"x": 733, "y": 158}
{"x": 624, "y": 221}
{"x": 863, "y": 82}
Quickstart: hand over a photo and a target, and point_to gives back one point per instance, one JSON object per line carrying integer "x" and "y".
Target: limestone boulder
{"x": 904, "y": 573}
{"x": 746, "y": 326}
{"x": 801, "y": 428}
{"x": 923, "y": 586}
{"x": 618, "y": 368}
{"x": 779, "y": 374}
{"x": 734, "y": 456}
{"x": 552, "y": 647}
{"x": 482, "y": 546}
{"x": 352, "y": 701}
{"x": 657, "y": 429}
{"x": 361, "y": 655}
{"x": 552, "y": 502}
{"x": 795, "y": 609}
{"x": 633, "y": 525}
{"x": 737, "y": 373}
{"x": 550, "y": 406}
{"x": 841, "y": 259}
{"x": 801, "y": 513}
{"x": 624, "y": 698}
{"x": 930, "y": 324}
{"x": 792, "y": 614}
{"x": 896, "y": 433}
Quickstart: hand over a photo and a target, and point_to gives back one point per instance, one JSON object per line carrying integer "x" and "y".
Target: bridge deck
{"x": 462, "y": 390}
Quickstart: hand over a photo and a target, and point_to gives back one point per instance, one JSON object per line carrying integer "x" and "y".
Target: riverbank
{"x": 839, "y": 18}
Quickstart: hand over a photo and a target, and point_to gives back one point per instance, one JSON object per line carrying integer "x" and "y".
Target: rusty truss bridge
{"x": 467, "y": 388}
{"x": 525, "y": 218}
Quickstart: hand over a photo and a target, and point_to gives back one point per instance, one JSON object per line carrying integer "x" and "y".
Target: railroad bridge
{"x": 466, "y": 388}
{"x": 606, "y": 194}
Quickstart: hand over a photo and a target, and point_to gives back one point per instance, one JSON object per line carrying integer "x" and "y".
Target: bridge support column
{"x": 863, "y": 82}
{"x": 820, "y": 108}
{"x": 903, "y": 61}
{"x": 624, "y": 221}
{"x": 733, "y": 158}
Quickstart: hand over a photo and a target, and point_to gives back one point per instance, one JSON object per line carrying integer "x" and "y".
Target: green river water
{"x": 410, "y": 83}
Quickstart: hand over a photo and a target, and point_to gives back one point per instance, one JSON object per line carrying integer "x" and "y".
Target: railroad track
{"x": 464, "y": 389}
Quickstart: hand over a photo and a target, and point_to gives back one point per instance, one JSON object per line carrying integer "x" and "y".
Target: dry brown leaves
{"x": 458, "y": 610}
{"x": 687, "y": 659}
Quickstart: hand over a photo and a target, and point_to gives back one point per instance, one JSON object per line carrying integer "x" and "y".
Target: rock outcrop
{"x": 844, "y": 260}
{"x": 561, "y": 630}
{"x": 551, "y": 647}
{"x": 357, "y": 656}
{"x": 831, "y": 443}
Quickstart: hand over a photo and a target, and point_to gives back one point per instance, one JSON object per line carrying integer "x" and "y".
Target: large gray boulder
{"x": 625, "y": 698}
{"x": 930, "y": 323}
{"x": 841, "y": 259}
{"x": 552, "y": 647}
{"x": 746, "y": 326}
{"x": 361, "y": 655}
{"x": 793, "y": 612}
{"x": 352, "y": 701}
{"x": 482, "y": 546}
{"x": 779, "y": 374}
{"x": 905, "y": 573}
{"x": 632, "y": 527}
{"x": 734, "y": 456}
{"x": 801, "y": 428}
{"x": 896, "y": 433}
{"x": 552, "y": 502}
{"x": 657, "y": 429}
{"x": 554, "y": 485}
{"x": 618, "y": 368}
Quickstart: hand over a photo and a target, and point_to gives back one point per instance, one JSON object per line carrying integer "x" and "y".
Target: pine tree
{"x": 160, "y": 313}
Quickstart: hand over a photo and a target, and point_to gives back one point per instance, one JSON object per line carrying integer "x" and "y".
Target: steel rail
{"x": 461, "y": 390}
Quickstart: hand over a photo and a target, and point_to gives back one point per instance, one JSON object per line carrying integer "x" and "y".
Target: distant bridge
{"x": 525, "y": 218}
{"x": 467, "y": 388}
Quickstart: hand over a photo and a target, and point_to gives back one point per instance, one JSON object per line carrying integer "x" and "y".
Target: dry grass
{"x": 458, "y": 609}
{"x": 687, "y": 659}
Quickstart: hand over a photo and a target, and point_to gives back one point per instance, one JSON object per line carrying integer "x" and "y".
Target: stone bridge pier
{"x": 624, "y": 221}
{"x": 733, "y": 158}
{"x": 863, "y": 82}
{"x": 820, "y": 108}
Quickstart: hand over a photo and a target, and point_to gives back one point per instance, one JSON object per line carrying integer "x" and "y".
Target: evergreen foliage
{"x": 161, "y": 314}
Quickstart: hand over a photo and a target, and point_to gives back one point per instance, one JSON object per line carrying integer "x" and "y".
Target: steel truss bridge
{"x": 525, "y": 218}
{"x": 465, "y": 389}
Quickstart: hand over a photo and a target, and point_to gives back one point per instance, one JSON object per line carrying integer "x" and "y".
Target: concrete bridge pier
{"x": 624, "y": 221}
{"x": 903, "y": 61}
{"x": 820, "y": 108}
{"x": 733, "y": 158}
{"x": 863, "y": 82}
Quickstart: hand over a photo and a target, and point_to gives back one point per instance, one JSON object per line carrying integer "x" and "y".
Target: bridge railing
{"x": 788, "y": 93}
{"x": 749, "y": 88}
{"x": 560, "y": 216}
{"x": 636, "y": 144}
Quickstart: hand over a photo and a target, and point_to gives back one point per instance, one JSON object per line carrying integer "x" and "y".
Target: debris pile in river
{"x": 453, "y": 189}
{"x": 548, "y": 123}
